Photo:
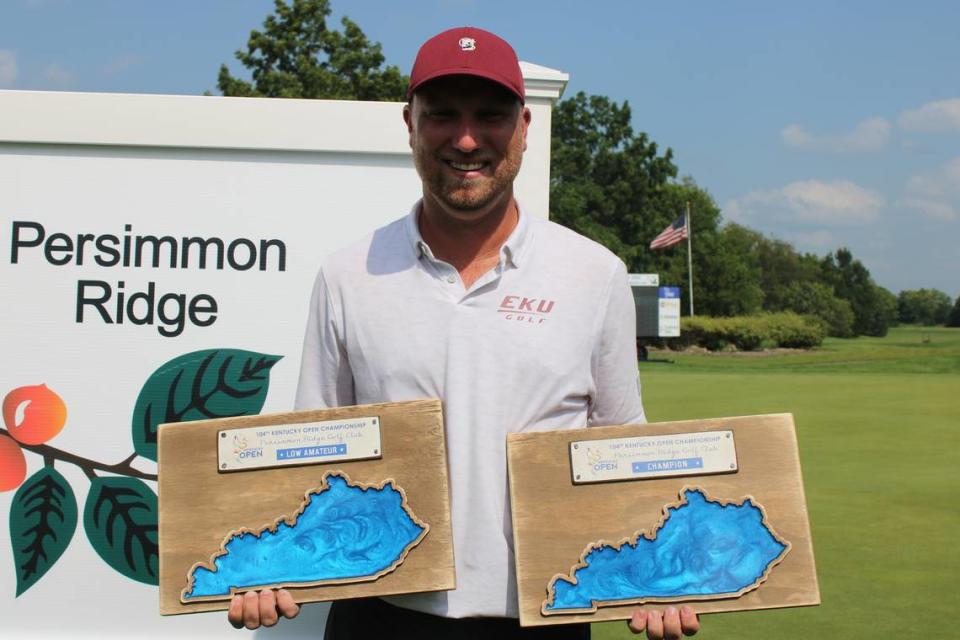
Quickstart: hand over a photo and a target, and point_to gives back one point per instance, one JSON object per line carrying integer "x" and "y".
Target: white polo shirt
{"x": 545, "y": 340}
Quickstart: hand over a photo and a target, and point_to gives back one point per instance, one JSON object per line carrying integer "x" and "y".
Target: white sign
{"x": 682, "y": 454}
{"x": 669, "y": 311}
{"x": 157, "y": 255}
{"x": 643, "y": 279}
{"x": 284, "y": 445}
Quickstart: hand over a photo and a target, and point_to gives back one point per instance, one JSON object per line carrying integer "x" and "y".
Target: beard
{"x": 468, "y": 194}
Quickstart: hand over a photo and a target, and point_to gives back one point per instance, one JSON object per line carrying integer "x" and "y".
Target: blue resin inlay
{"x": 702, "y": 549}
{"x": 345, "y": 532}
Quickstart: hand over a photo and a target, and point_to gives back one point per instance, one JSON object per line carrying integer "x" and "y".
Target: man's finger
{"x": 235, "y": 614}
{"x": 671, "y": 624}
{"x": 689, "y": 620}
{"x": 286, "y": 605}
{"x": 638, "y": 622}
{"x": 251, "y": 610}
{"x": 654, "y": 625}
{"x": 268, "y": 608}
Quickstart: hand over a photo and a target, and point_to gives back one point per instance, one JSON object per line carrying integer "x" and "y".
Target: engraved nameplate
{"x": 299, "y": 443}
{"x": 681, "y": 454}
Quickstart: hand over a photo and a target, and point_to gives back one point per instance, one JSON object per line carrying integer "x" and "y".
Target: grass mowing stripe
{"x": 881, "y": 460}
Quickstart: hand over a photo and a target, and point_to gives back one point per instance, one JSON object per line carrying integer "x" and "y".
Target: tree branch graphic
{"x": 121, "y": 513}
{"x": 88, "y": 466}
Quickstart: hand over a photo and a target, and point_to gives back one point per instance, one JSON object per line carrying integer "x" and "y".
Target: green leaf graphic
{"x": 120, "y": 519}
{"x": 43, "y": 517}
{"x": 213, "y": 383}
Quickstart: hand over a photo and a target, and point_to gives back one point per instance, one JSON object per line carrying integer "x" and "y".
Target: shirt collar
{"x": 511, "y": 252}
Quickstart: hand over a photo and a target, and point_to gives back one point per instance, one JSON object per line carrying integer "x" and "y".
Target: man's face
{"x": 468, "y": 136}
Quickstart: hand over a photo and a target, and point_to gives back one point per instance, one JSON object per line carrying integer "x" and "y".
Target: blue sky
{"x": 825, "y": 124}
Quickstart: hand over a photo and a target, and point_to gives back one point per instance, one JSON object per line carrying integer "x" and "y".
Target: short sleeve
{"x": 325, "y": 376}
{"x": 616, "y": 377}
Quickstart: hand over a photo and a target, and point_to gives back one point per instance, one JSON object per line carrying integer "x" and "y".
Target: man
{"x": 515, "y": 323}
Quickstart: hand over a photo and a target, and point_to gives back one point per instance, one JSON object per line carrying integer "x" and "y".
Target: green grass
{"x": 878, "y": 423}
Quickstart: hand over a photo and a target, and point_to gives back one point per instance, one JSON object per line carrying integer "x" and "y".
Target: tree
{"x": 953, "y": 320}
{"x": 727, "y": 272}
{"x": 297, "y": 56}
{"x": 782, "y": 267}
{"x": 606, "y": 181}
{"x": 874, "y": 308}
{"x": 612, "y": 185}
{"x": 887, "y": 307}
{"x": 818, "y": 299}
{"x": 671, "y": 263}
{"x": 923, "y": 306}
{"x": 726, "y": 269}
{"x": 705, "y": 220}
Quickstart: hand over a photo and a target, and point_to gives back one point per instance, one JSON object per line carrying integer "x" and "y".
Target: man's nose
{"x": 465, "y": 138}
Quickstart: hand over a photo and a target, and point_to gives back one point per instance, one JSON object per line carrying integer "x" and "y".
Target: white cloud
{"x": 819, "y": 241}
{"x": 837, "y": 203}
{"x": 868, "y": 136}
{"x": 936, "y": 194}
{"x": 934, "y": 117}
{"x": 932, "y": 208}
{"x": 943, "y": 182}
{"x": 122, "y": 63}
{"x": 8, "y": 68}
{"x": 56, "y": 77}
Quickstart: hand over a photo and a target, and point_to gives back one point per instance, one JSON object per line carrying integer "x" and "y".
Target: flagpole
{"x": 689, "y": 257}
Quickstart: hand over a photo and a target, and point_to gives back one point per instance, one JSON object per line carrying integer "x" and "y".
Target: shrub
{"x": 749, "y": 333}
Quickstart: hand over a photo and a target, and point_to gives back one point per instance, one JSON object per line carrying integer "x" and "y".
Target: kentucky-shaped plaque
{"x": 329, "y": 504}
{"x": 707, "y": 513}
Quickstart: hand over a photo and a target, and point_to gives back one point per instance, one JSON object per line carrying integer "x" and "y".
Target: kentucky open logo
{"x": 242, "y": 451}
{"x": 597, "y": 462}
{"x": 120, "y": 513}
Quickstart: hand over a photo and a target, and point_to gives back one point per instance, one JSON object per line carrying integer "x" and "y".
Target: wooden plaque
{"x": 204, "y": 504}
{"x": 559, "y": 520}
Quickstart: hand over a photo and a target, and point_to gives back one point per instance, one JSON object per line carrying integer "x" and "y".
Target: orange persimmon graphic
{"x": 13, "y": 466}
{"x": 34, "y": 414}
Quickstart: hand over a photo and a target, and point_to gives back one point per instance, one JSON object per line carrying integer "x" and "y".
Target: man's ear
{"x": 526, "y": 125}
{"x": 408, "y": 118}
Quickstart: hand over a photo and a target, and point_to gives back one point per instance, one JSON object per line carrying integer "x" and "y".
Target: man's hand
{"x": 253, "y": 609}
{"x": 668, "y": 625}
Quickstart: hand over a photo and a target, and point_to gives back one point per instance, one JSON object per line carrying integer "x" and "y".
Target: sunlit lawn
{"x": 879, "y": 429}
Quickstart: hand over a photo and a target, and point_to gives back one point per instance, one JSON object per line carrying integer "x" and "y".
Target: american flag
{"x": 676, "y": 232}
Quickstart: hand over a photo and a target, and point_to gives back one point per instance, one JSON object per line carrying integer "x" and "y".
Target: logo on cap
{"x": 468, "y": 44}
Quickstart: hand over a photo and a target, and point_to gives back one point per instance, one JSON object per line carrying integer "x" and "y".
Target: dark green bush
{"x": 953, "y": 319}
{"x": 818, "y": 299}
{"x": 923, "y": 306}
{"x": 749, "y": 333}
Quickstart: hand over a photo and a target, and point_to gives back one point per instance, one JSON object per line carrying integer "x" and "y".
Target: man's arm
{"x": 617, "y": 401}
{"x": 325, "y": 381}
{"x": 614, "y": 361}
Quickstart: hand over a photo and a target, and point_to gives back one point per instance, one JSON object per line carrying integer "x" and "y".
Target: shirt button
{"x": 451, "y": 279}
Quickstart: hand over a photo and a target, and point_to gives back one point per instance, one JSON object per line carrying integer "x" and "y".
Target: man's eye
{"x": 440, "y": 115}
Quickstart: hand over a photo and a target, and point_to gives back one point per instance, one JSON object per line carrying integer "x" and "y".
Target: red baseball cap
{"x": 467, "y": 51}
